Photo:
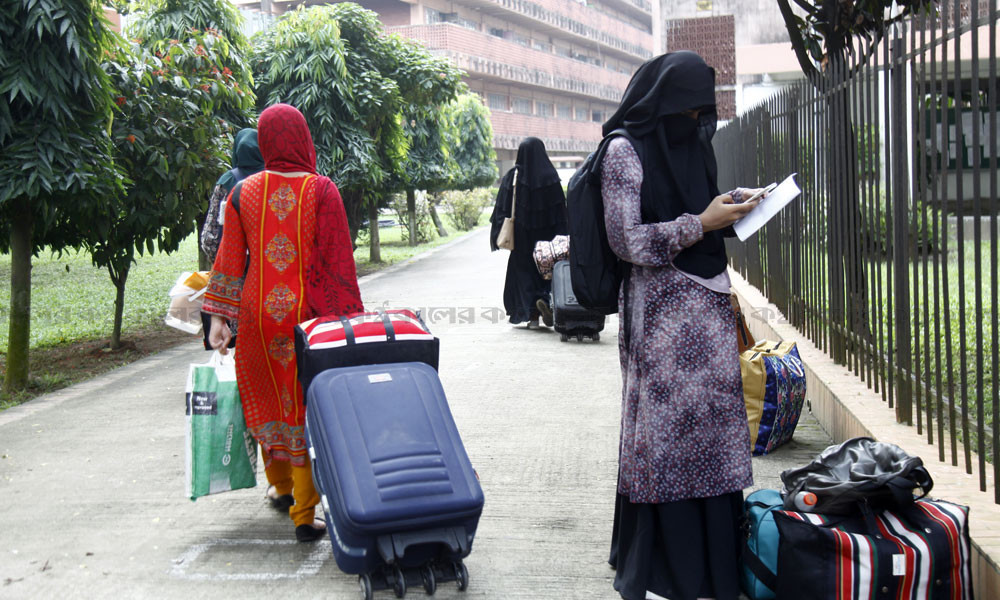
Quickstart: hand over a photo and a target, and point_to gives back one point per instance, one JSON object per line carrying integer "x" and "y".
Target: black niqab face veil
{"x": 533, "y": 162}
{"x": 679, "y": 168}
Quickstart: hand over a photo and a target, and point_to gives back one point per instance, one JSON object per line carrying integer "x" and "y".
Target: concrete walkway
{"x": 92, "y": 477}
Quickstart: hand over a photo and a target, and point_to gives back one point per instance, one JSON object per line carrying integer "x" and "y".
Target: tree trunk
{"x": 432, "y": 207}
{"x": 375, "y": 246}
{"x": 119, "y": 279}
{"x": 19, "y": 332}
{"x": 203, "y": 263}
{"x": 353, "y": 206}
{"x": 411, "y": 210}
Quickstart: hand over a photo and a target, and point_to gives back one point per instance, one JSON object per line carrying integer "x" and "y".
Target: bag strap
{"x": 513, "y": 193}
{"x": 235, "y": 197}
{"x": 390, "y": 331}
{"x": 348, "y": 331}
{"x": 761, "y": 571}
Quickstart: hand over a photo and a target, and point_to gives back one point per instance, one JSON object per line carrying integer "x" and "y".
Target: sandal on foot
{"x": 283, "y": 502}
{"x": 545, "y": 311}
{"x": 310, "y": 533}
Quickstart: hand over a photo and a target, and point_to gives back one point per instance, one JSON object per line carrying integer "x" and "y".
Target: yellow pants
{"x": 297, "y": 481}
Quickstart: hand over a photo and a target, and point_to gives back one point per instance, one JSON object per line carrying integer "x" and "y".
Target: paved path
{"x": 91, "y": 477}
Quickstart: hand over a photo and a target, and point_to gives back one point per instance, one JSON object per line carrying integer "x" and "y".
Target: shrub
{"x": 465, "y": 208}
{"x": 425, "y": 226}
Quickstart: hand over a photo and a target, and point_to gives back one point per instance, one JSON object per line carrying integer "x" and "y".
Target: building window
{"x": 597, "y": 116}
{"x": 517, "y": 38}
{"x": 497, "y": 102}
{"x": 564, "y": 111}
{"x": 496, "y": 32}
{"x": 562, "y": 51}
{"x": 543, "y": 109}
{"x": 581, "y": 114}
{"x": 522, "y": 106}
{"x": 543, "y": 46}
{"x": 432, "y": 16}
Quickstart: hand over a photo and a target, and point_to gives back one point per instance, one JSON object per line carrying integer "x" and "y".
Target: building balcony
{"x": 490, "y": 57}
{"x": 559, "y": 135}
{"x": 570, "y": 20}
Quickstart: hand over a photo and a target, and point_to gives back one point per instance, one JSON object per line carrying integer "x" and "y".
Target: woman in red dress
{"x": 286, "y": 256}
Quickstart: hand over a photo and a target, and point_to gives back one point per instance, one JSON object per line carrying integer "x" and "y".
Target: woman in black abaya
{"x": 539, "y": 214}
{"x": 684, "y": 454}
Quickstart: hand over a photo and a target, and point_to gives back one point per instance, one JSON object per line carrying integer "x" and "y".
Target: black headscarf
{"x": 541, "y": 202}
{"x": 678, "y": 162}
{"x": 536, "y": 168}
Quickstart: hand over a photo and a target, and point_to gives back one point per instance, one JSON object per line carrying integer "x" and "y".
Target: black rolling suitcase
{"x": 571, "y": 319}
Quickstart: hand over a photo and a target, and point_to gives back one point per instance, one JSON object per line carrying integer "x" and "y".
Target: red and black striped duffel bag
{"x": 385, "y": 336}
{"x": 917, "y": 552}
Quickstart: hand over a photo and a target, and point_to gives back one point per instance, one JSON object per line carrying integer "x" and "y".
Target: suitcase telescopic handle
{"x": 393, "y": 547}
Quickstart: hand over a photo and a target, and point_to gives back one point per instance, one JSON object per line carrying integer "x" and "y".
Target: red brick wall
{"x": 570, "y": 15}
{"x": 714, "y": 38}
{"x": 484, "y": 54}
{"x": 559, "y": 135}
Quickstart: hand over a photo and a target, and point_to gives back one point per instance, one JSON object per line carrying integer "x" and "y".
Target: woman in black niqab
{"x": 684, "y": 452}
{"x": 679, "y": 168}
{"x": 539, "y": 214}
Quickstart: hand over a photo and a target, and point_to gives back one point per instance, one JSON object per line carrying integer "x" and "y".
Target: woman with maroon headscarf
{"x": 291, "y": 222}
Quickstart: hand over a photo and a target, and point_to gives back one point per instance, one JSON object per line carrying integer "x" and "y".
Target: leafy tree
{"x": 167, "y": 138}
{"x": 471, "y": 143}
{"x": 325, "y": 66}
{"x": 467, "y": 135}
{"x": 158, "y": 22}
{"x": 55, "y": 153}
{"x": 427, "y": 83}
{"x": 822, "y": 38}
{"x": 354, "y": 84}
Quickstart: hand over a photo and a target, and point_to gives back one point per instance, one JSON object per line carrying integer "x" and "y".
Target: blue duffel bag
{"x": 760, "y": 551}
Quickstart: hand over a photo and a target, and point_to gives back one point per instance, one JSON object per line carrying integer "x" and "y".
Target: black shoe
{"x": 545, "y": 311}
{"x": 281, "y": 503}
{"x": 308, "y": 533}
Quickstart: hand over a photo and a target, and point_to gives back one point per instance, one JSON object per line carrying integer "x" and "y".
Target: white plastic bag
{"x": 186, "y": 298}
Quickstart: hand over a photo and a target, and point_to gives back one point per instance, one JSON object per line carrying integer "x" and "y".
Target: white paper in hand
{"x": 768, "y": 207}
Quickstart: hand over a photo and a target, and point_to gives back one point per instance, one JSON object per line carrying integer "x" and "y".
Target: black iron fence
{"x": 888, "y": 260}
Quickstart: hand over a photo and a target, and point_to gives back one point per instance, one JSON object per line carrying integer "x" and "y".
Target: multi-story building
{"x": 553, "y": 69}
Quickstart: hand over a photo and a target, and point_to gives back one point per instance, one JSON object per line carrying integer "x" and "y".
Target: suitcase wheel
{"x": 365, "y": 583}
{"x": 462, "y": 576}
{"x": 596, "y": 337}
{"x": 430, "y": 582}
{"x": 399, "y": 582}
{"x": 579, "y": 337}
{"x": 563, "y": 337}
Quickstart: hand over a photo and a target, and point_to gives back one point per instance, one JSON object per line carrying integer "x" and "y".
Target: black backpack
{"x": 595, "y": 270}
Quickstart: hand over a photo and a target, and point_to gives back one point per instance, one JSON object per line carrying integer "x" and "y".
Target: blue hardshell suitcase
{"x": 395, "y": 483}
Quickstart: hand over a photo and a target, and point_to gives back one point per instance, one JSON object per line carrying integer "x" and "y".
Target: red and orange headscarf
{"x": 285, "y": 141}
{"x": 331, "y": 277}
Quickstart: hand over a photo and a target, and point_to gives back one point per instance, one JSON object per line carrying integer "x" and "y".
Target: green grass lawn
{"x": 71, "y": 300}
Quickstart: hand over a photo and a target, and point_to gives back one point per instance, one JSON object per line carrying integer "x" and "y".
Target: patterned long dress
{"x": 684, "y": 430}
{"x": 276, "y": 223}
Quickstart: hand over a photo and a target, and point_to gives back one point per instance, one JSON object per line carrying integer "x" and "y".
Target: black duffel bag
{"x": 859, "y": 471}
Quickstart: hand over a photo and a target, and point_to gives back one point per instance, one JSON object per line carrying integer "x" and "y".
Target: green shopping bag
{"x": 221, "y": 454}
